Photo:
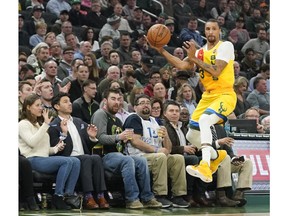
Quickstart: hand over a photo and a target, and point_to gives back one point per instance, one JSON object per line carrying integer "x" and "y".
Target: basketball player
{"x": 215, "y": 62}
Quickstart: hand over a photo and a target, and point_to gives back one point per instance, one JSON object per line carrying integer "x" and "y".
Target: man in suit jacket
{"x": 195, "y": 187}
{"x": 243, "y": 167}
{"x": 79, "y": 138}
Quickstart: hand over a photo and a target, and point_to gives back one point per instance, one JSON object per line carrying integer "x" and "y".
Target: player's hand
{"x": 159, "y": 49}
{"x": 190, "y": 48}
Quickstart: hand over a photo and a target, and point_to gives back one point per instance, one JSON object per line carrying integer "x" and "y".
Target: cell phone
{"x": 242, "y": 158}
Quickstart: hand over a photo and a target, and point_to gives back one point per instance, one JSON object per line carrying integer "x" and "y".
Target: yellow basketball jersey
{"x": 225, "y": 80}
{"x": 219, "y": 96}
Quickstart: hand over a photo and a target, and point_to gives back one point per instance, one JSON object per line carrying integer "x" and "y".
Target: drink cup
{"x": 160, "y": 132}
{"x": 130, "y": 133}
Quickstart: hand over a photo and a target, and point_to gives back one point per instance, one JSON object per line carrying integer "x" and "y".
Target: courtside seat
{"x": 43, "y": 182}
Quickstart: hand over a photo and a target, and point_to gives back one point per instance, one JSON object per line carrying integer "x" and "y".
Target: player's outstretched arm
{"x": 175, "y": 61}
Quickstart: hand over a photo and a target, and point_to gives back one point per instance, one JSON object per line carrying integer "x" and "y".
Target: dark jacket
{"x": 176, "y": 148}
{"x": 83, "y": 110}
{"x": 54, "y": 133}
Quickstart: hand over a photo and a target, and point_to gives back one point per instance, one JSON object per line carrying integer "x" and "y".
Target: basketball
{"x": 158, "y": 35}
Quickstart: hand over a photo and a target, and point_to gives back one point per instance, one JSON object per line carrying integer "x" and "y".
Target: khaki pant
{"x": 244, "y": 174}
{"x": 162, "y": 167}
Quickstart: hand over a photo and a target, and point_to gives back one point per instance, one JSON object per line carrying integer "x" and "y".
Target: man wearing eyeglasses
{"x": 65, "y": 66}
{"x": 146, "y": 142}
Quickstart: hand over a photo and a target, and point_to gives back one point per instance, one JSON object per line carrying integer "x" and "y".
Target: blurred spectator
{"x": 200, "y": 10}
{"x": 157, "y": 110}
{"x": 239, "y": 35}
{"x": 254, "y": 22}
{"x": 265, "y": 73}
{"x": 124, "y": 24}
{"x": 240, "y": 87}
{"x": 71, "y": 40}
{"x": 143, "y": 73}
{"x": 36, "y": 16}
{"x": 253, "y": 113}
{"x": 56, "y": 51}
{"x": 125, "y": 47}
{"x": 190, "y": 32}
{"x": 259, "y": 44}
{"x": 64, "y": 16}
{"x": 104, "y": 61}
{"x": 186, "y": 96}
{"x": 89, "y": 34}
{"x": 23, "y": 36}
{"x": 94, "y": 70}
{"x": 75, "y": 90}
{"x": 64, "y": 68}
{"x": 29, "y": 4}
{"x": 128, "y": 9}
{"x": 222, "y": 9}
{"x": 181, "y": 78}
{"x": 111, "y": 28}
{"x": 41, "y": 29}
{"x": 50, "y": 38}
{"x": 224, "y": 31}
{"x": 266, "y": 123}
{"x": 159, "y": 91}
{"x": 175, "y": 40}
{"x": 136, "y": 57}
{"x": 246, "y": 8}
{"x": 95, "y": 18}
{"x": 237, "y": 70}
{"x": 141, "y": 44}
{"x": 56, "y": 6}
{"x": 66, "y": 29}
{"x": 85, "y": 106}
{"x": 249, "y": 64}
{"x": 84, "y": 49}
{"x": 182, "y": 14}
{"x": 77, "y": 17}
{"x": 147, "y": 22}
{"x": 154, "y": 77}
{"x": 136, "y": 22}
{"x": 259, "y": 98}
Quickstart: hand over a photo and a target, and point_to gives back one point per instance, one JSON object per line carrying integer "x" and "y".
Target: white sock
{"x": 206, "y": 154}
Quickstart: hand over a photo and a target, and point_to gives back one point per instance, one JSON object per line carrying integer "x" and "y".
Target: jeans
{"x": 134, "y": 171}
{"x": 67, "y": 169}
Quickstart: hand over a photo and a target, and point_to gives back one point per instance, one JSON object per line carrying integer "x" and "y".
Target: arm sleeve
{"x": 32, "y": 139}
{"x": 100, "y": 119}
{"x": 226, "y": 51}
{"x": 134, "y": 121}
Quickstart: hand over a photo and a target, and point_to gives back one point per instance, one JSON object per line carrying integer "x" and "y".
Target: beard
{"x": 146, "y": 111}
{"x": 113, "y": 109}
{"x": 211, "y": 39}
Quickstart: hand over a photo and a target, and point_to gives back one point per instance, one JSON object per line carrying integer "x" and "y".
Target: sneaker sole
{"x": 180, "y": 206}
{"x": 197, "y": 174}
